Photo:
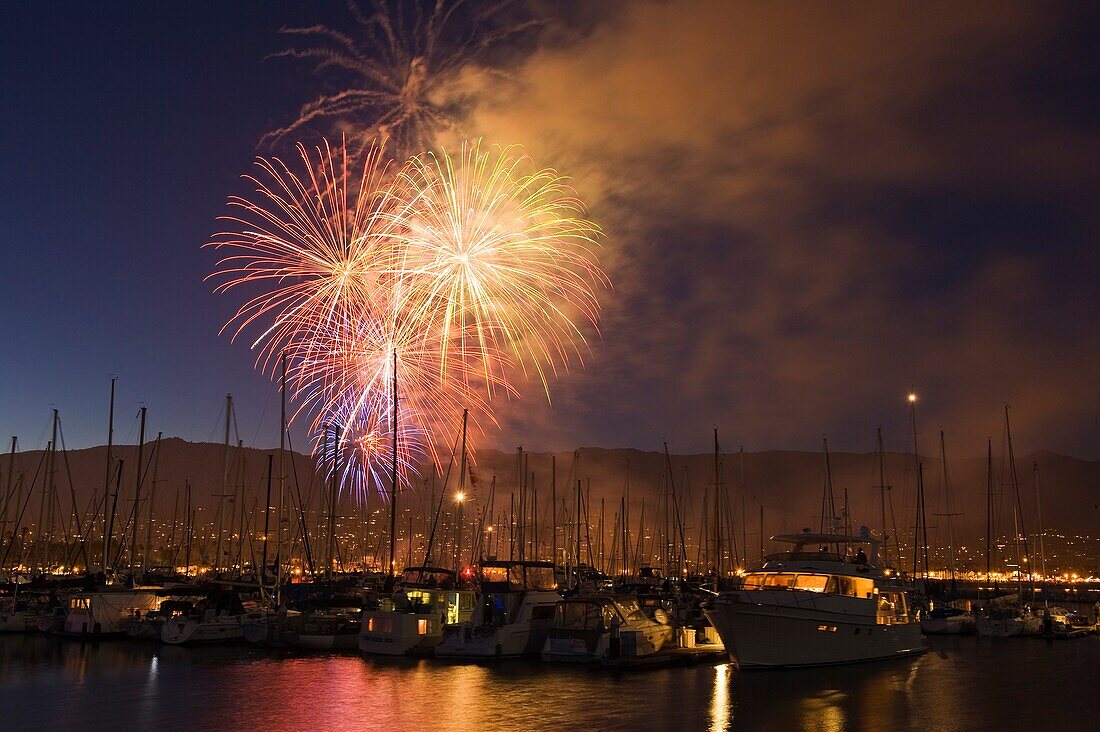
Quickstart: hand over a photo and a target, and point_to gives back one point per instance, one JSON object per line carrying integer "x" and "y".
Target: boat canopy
{"x": 801, "y": 539}
{"x": 502, "y": 576}
{"x": 430, "y": 577}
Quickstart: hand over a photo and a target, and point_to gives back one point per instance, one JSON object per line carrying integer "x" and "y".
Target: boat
{"x": 176, "y": 603}
{"x": 19, "y": 614}
{"x": 411, "y": 622}
{"x": 513, "y": 614}
{"x": 1008, "y": 620}
{"x": 816, "y": 607}
{"x": 947, "y": 620}
{"x": 1066, "y": 624}
{"x": 217, "y": 618}
{"x": 324, "y": 631}
{"x": 101, "y": 613}
{"x": 594, "y": 628}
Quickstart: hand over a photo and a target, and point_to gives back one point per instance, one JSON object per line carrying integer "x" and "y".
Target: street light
{"x": 460, "y": 497}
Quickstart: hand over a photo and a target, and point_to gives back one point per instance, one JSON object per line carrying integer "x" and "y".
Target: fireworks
{"x": 399, "y": 64}
{"x": 306, "y": 243}
{"x": 472, "y": 269}
{"x": 500, "y": 260}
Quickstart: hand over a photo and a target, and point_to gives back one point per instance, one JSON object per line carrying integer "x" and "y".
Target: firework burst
{"x": 399, "y": 63}
{"x": 499, "y": 260}
{"x": 305, "y": 241}
{"x": 459, "y": 273}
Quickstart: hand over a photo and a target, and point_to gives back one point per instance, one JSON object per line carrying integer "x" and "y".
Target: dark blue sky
{"x": 126, "y": 126}
{"x": 836, "y": 207}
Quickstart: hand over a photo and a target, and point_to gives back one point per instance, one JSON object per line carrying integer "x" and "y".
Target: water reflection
{"x": 720, "y": 701}
{"x": 46, "y": 683}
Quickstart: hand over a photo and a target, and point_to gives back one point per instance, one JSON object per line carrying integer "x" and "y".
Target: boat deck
{"x": 669, "y": 657}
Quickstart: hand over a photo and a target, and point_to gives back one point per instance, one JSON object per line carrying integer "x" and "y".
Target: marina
{"x": 523, "y": 365}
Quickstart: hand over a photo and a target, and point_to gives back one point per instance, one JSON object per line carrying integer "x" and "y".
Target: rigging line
{"x": 263, "y": 413}
{"x": 19, "y": 520}
{"x": 301, "y": 508}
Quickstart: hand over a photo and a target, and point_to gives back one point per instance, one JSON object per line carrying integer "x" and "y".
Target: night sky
{"x": 810, "y": 208}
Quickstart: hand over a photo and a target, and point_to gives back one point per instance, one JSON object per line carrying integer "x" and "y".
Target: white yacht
{"x": 412, "y": 621}
{"x": 219, "y": 618}
{"x": 106, "y": 611}
{"x": 592, "y": 628}
{"x": 514, "y": 612}
{"x": 816, "y": 605}
{"x": 947, "y": 620}
{"x": 1006, "y": 618}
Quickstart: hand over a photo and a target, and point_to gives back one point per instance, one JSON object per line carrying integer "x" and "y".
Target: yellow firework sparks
{"x": 498, "y": 260}
{"x": 473, "y": 269}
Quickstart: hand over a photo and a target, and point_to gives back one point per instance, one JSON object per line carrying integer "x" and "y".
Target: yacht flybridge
{"x": 823, "y": 602}
{"x": 514, "y": 612}
{"x": 412, "y": 621}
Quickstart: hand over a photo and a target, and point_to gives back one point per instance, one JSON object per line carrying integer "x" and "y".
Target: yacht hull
{"x": 766, "y": 636}
{"x": 959, "y": 625}
{"x": 390, "y": 633}
{"x": 219, "y": 630}
{"x": 18, "y": 621}
{"x": 514, "y": 640}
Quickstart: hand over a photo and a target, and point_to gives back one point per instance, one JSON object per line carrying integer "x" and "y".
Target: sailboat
{"x": 947, "y": 618}
{"x": 1008, "y": 616}
{"x": 218, "y": 618}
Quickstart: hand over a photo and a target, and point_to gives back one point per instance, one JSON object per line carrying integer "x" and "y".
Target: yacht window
{"x": 494, "y": 574}
{"x": 542, "y": 612}
{"x": 540, "y": 578}
{"x": 753, "y": 581}
{"x": 779, "y": 580}
{"x": 422, "y": 626}
{"x": 578, "y": 615}
{"x": 811, "y": 582}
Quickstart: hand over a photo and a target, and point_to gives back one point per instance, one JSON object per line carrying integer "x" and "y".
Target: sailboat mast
{"x": 137, "y": 489}
{"x": 331, "y": 546}
{"x": 554, "y": 509}
{"x": 282, "y": 484}
{"x": 1018, "y": 510}
{"x": 114, "y": 507}
{"x": 7, "y": 489}
{"x": 147, "y": 553}
{"x": 392, "y": 564}
{"x": 1039, "y": 519}
{"x": 267, "y": 517}
{"x": 225, "y": 484}
{"x": 717, "y": 516}
{"x": 577, "y": 521}
{"x": 460, "y": 496}
{"x": 916, "y": 471}
{"x": 49, "y": 486}
{"x": 882, "y": 499}
{"x": 188, "y": 528}
{"x": 947, "y": 511}
{"x": 107, "y": 475}
{"x": 988, "y": 509}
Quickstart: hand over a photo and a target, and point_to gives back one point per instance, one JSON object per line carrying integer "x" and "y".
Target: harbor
{"x": 523, "y": 365}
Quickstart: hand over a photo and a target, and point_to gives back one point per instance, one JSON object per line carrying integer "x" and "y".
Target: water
{"x": 963, "y": 683}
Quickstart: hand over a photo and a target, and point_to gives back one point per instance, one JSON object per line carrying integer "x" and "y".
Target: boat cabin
{"x": 827, "y": 565}
{"x": 505, "y": 576}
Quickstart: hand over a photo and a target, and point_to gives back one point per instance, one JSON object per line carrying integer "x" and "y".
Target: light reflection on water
{"x": 966, "y": 683}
